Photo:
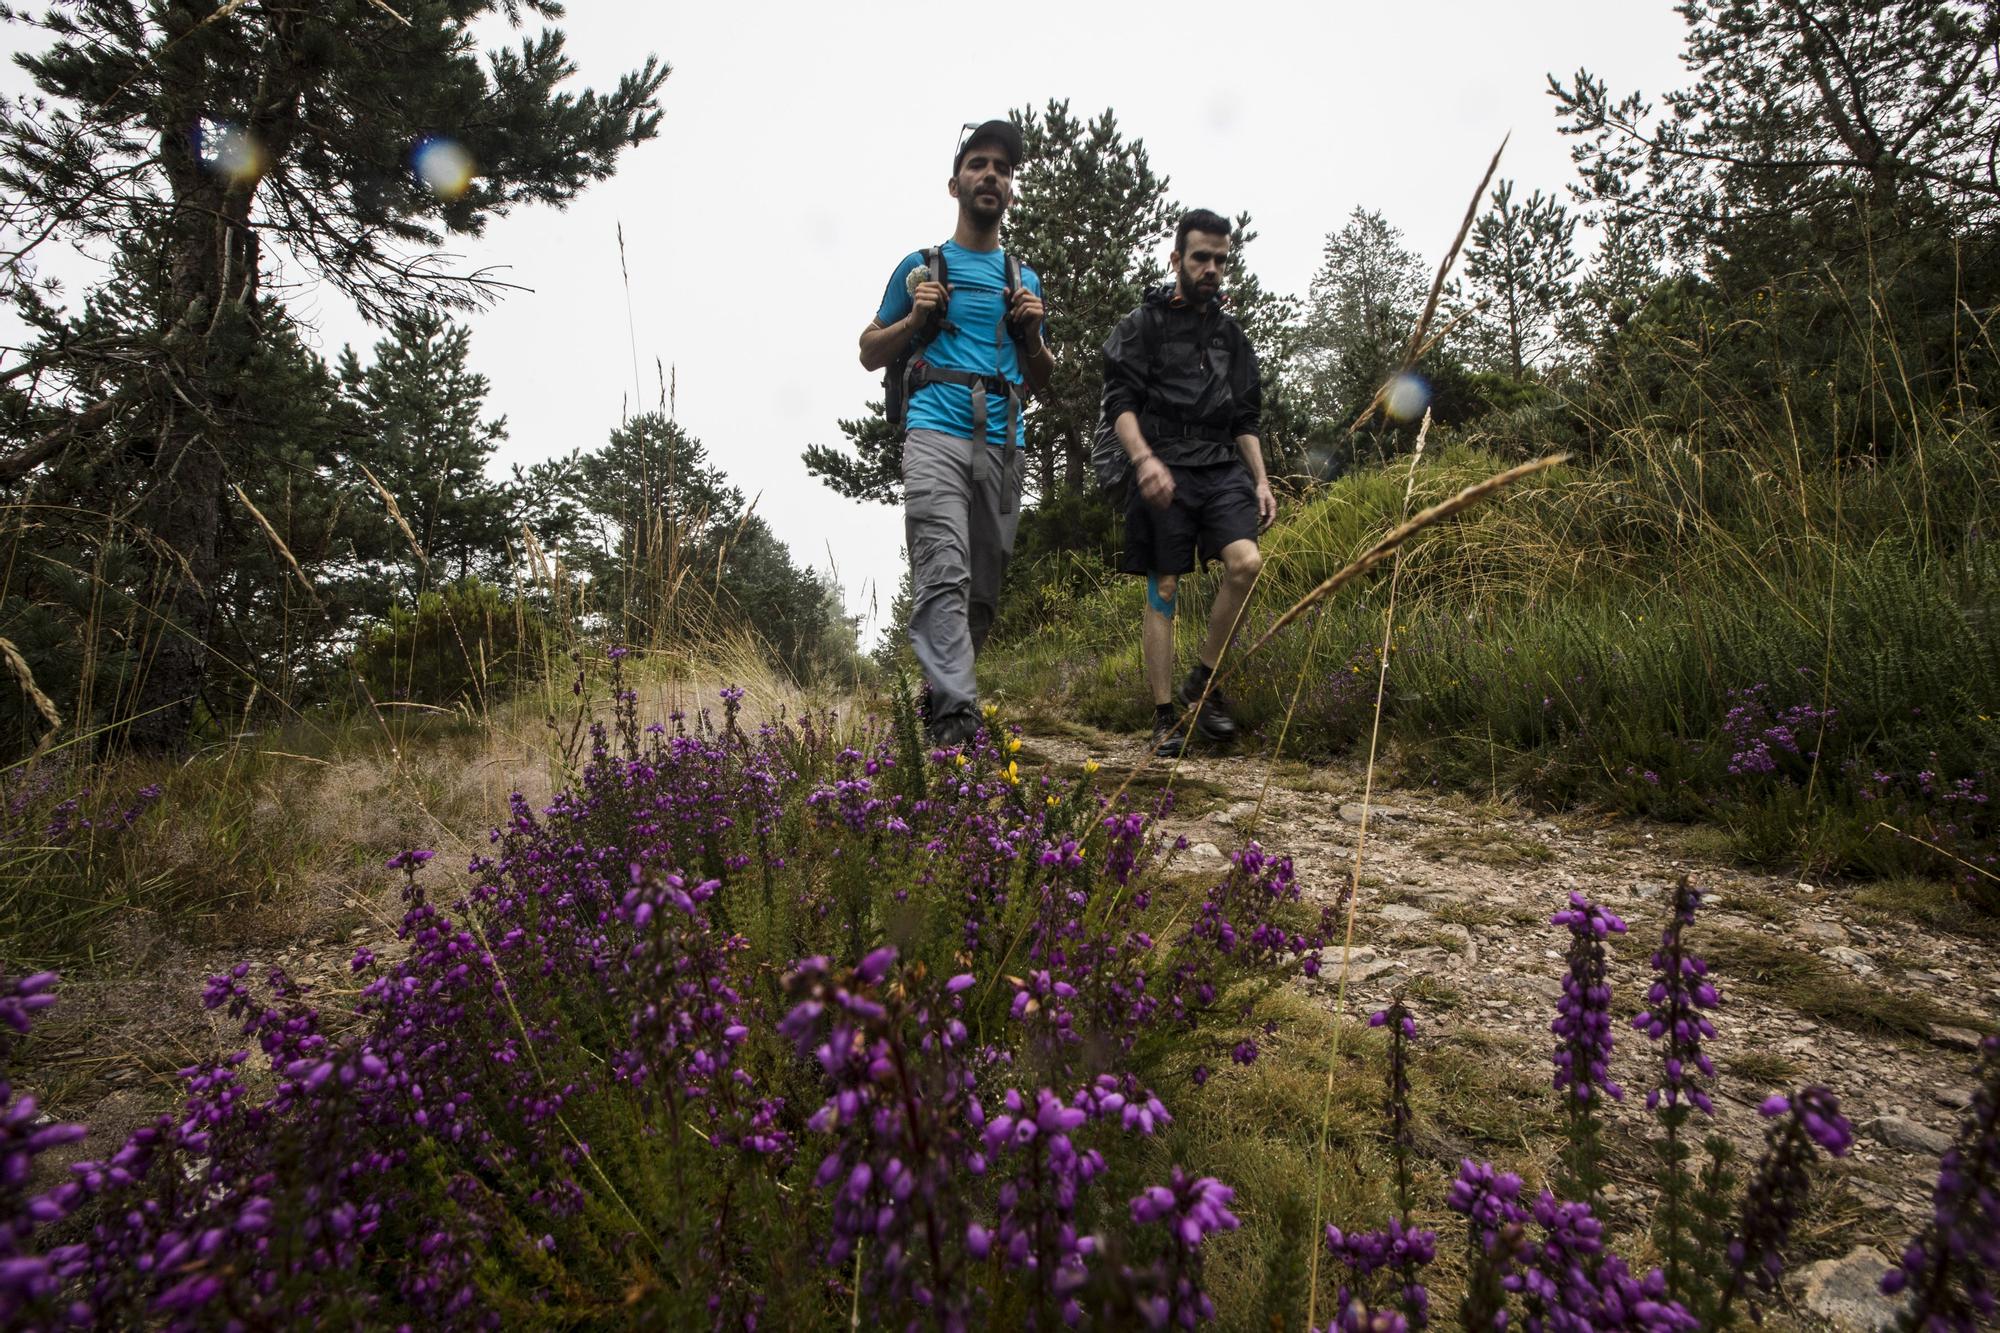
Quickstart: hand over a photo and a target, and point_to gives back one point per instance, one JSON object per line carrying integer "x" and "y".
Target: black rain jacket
{"x": 1189, "y": 374}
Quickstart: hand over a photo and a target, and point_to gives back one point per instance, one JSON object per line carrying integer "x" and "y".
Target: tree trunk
{"x": 213, "y": 275}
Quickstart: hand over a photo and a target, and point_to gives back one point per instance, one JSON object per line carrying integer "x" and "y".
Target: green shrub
{"x": 466, "y": 642}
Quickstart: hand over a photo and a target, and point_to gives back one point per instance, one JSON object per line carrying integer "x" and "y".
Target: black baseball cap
{"x": 1003, "y": 132}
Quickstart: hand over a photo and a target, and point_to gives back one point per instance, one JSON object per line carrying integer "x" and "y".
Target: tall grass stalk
{"x": 1354, "y": 879}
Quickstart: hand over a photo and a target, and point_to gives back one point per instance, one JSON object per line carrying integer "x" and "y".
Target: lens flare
{"x": 444, "y": 166}
{"x": 1407, "y": 397}
{"x": 230, "y": 151}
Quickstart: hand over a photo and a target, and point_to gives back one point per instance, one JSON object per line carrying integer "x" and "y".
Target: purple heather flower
{"x": 1950, "y": 1268}
{"x": 1810, "y": 1118}
{"x": 1674, "y": 1014}
{"x": 1583, "y": 1014}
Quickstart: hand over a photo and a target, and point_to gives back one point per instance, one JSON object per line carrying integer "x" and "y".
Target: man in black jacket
{"x": 1181, "y": 391}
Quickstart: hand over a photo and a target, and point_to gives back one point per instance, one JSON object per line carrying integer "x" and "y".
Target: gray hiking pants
{"x": 961, "y": 504}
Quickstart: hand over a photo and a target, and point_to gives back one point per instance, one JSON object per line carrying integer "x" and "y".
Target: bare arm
{"x": 1252, "y": 450}
{"x": 1156, "y": 479}
{"x": 882, "y": 344}
{"x": 1038, "y": 366}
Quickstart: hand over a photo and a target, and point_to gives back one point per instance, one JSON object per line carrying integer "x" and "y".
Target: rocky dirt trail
{"x": 1453, "y": 912}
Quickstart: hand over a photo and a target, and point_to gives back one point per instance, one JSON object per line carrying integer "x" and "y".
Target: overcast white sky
{"x": 805, "y": 149}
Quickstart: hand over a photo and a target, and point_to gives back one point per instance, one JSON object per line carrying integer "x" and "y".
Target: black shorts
{"x": 1213, "y": 506}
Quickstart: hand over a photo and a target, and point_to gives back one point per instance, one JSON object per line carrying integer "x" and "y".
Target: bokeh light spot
{"x": 1407, "y": 397}
{"x": 229, "y": 151}
{"x": 444, "y": 166}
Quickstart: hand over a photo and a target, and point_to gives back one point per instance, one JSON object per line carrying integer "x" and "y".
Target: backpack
{"x": 1108, "y": 459}
{"x": 908, "y": 372}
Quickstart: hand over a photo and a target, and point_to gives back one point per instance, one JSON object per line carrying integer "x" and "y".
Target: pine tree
{"x": 419, "y": 431}
{"x": 86, "y": 596}
{"x": 1364, "y": 302}
{"x": 1520, "y": 263}
{"x": 1795, "y": 108}
{"x": 221, "y": 126}
{"x": 1614, "y": 285}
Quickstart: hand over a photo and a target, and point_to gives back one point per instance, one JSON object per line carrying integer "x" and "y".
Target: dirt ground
{"x": 1452, "y": 911}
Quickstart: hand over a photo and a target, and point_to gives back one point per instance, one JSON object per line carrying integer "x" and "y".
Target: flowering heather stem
{"x": 1583, "y": 1031}
{"x": 1494, "y": 1239}
{"x": 1778, "y": 1188}
{"x": 1674, "y": 1018}
{"x": 1402, "y": 1030}
{"x": 1950, "y": 1268}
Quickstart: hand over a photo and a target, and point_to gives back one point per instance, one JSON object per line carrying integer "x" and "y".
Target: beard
{"x": 1191, "y": 288}
{"x": 983, "y": 211}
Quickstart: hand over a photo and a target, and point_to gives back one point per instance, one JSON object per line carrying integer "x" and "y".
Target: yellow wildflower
{"x": 1052, "y": 802}
{"x": 1013, "y": 745}
{"x": 962, "y": 760}
{"x": 1089, "y": 767}
{"x": 1013, "y": 773}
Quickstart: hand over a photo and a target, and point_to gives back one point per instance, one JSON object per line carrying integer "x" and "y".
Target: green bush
{"x": 466, "y": 642}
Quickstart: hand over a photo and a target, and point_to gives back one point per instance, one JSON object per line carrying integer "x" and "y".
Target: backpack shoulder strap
{"x": 1013, "y": 279}
{"x": 934, "y": 261}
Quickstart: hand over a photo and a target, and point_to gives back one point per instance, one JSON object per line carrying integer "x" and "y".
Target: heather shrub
{"x": 748, "y": 1027}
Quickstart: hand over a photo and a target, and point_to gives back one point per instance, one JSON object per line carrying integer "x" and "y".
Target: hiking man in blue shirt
{"x": 974, "y": 335}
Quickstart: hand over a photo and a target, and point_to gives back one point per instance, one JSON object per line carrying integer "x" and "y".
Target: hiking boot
{"x": 1169, "y": 732}
{"x": 1213, "y": 720}
{"x": 954, "y": 729}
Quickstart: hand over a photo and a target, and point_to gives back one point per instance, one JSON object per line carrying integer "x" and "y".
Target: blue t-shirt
{"x": 972, "y": 337}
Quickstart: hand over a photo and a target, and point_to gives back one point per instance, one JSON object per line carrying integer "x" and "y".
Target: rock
{"x": 1351, "y": 812}
{"x": 1827, "y": 932}
{"x": 1908, "y": 1135}
{"x": 1648, "y": 892}
{"x": 1851, "y": 958}
{"x": 1240, "y": 810}
{"x": 1546, "y": 989}
{"x": 1959, "y": 1039}
{"x": 1847, "y": 1294}
{"x": 1206, "y": 849}
{"x": 1329, "y": 957}
{"x": 1956, "y": 1099}
{"x": 1430, "y": 958}
{"x": 1402, "y": 913}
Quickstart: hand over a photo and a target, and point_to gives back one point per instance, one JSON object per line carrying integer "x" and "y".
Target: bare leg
{"x": 1156, "y": 636}
{"x": 1240, "y": 562}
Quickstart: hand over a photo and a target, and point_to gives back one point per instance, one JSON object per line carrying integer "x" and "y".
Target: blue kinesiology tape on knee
{"x": 1164, "y": 605}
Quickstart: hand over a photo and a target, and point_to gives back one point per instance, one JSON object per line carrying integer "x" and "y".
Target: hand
{"x": 927, "y": 305}
{"x": 1156, "y": 482}
{"x": 1026, "y": 314}
{"x": 1267, "y": 506}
